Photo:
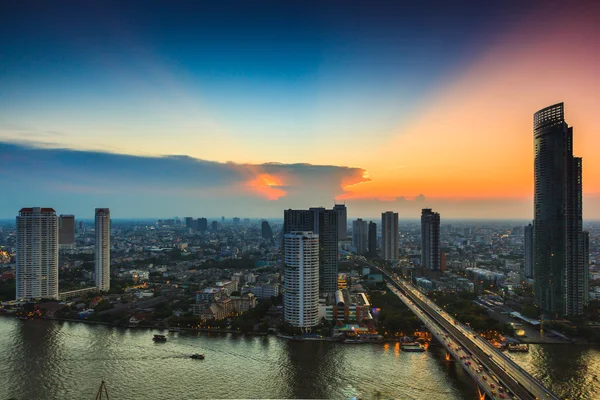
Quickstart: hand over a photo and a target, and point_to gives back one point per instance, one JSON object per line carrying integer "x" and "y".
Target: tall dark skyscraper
{"x": 189, "y": 222}
{"x": 389, "y": 235}
{"x": 202, "y": 224}
{"x": 430, "y": 239}
{"x": 66, "y": 230}
{"x": 528, "y": 231}
{"x": 342, "y": 221}
{"x": 372, "y": 239}
{"x": 558, "y": 239}
{"x": 266, "y": 231}
{"x": 324, "y": 222}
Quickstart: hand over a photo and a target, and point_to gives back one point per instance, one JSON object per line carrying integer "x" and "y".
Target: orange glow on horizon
{"x": 267, "y": 186}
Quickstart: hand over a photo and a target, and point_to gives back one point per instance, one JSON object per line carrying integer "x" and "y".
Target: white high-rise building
{"x": 360, "y": 232}
{"x": 102, "y": 253}
{"x": 301, "y": 272}
{"x": 389, "y": 235}
{"x": 37, "y": 253}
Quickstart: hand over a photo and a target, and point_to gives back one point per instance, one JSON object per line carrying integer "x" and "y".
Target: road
{"x": 514, "y": 378}
{"x": 469, "y": 362}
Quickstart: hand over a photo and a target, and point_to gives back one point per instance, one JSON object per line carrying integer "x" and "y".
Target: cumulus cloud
{"x": 164, "y": 185}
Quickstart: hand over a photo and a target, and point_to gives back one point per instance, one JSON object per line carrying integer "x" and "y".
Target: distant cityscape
{"x": 315, "y": 275}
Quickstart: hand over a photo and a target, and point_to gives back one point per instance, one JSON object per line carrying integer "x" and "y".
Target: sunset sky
{"x": 248, "y": 108}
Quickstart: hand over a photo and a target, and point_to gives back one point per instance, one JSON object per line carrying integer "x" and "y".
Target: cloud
{"x": 163, "y": 185}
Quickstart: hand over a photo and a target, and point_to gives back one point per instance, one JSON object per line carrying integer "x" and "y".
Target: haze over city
{"x": 197, "y": 109}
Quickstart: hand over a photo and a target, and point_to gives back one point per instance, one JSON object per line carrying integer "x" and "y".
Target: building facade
{"x": 430, "y": 240}
{"x": 389, "y": 235}
{"x": 342, "y": 221}
{"x": 528, "y": 251}
{"x": 372, "y": 239}
{"x": 66, "y": 230}
{"x": 323, "y": 223}
{"x": 558, "y": 240}
{"x": 301, "y": 295}
{"x": 360, "y": 235}
{"x": 102, "y": 249}
{"x": 37, "y": 254}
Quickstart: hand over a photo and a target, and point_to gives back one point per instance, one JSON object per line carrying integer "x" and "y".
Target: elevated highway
{"x": 512, "y": 379}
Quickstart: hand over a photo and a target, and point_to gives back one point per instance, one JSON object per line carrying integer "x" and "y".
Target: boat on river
{"x": 159, "y": 338}
{"x": 518, "y": 347}
{"x": 412, "y": 347}
{"x": 197, "y": 356}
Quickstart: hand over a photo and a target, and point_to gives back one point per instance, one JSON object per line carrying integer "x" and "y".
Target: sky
{"x": 248, "y": 108}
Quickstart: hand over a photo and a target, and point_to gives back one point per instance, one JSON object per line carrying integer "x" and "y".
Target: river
{"x": 63, "y": 360}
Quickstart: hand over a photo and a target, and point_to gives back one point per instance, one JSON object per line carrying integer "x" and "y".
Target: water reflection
{"x": 46, "y": 360}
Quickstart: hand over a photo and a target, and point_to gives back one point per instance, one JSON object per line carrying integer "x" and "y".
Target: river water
{"x": 61, "y": 360}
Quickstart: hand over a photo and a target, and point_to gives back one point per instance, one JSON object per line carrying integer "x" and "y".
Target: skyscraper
{"x": 102, "y": 251}
{"x": 202, "y": 224}
{"x": 586, "y": 266}
{"x": 342, "y": 221}
{"x": 37, "y": 254}
{"x": 66, "y": 230}
{"x": 301, "y": 272}
{"x": 266, "y": 231}
{"x": 360, "y": 236}
{"x": 430, "y": 240}
{"x": 323, "y": 223}
{"x": 189, "y": 222}
{"x": 389, "y": 235}
{"x": 372, "y": 239}
{"x": 558, "y": 239}
{"x": 528, "y": 231}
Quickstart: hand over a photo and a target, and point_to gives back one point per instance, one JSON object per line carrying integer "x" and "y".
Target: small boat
{"x": 159, "y": 338}
{"x": 353, "y": 341}
{"x": 412, "y": 347}
{"x": 521, "y": 348}
{"x": 197, "y": 356}
{"x": 174, "y": 330}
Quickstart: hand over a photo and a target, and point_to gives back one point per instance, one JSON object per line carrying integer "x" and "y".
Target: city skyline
{"x": 412, "y": 133}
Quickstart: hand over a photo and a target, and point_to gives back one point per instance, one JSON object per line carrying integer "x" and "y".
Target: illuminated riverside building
{"x": 37, "y": 254}
{"x": 301, "y": 273}
{"x": 102, "y": 249}
{"x": 558, "y": 239}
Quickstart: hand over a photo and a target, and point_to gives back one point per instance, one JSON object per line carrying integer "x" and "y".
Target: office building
{"x": 342, "y": 221}
{"x": 430, "y": 240}
{"x": 301, "y": 272}
{"x": 389, "y": 235}
{"x": 372, "y": 239}
{"x": 202, "y": 224}
{"x": 558, "y": 240}
{"x": 528, "y": 252}
{"x": 266, "y": 231}
{"x": 66, "y": 231}
{"x": 214, "y": 226}
{"x": 323, "y": 223}
{"x": 189, "y": 222}
{"x": 360, "y": 236}
{"x": 586, "y": 266}
{"x": 102, "y": 251}
{"x": 236, "y": 221}
{"x": 81, "y": 226}
{"x": 37, "y": 254}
